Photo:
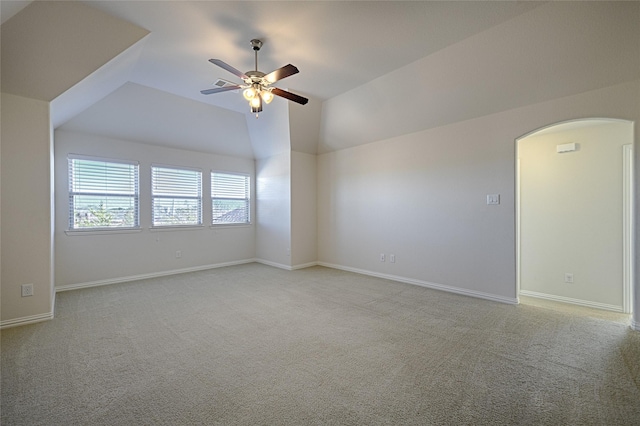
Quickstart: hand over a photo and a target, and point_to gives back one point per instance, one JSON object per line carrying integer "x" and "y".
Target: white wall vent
{"x": 223, "y": 83}
{"x": 567, "y": 147}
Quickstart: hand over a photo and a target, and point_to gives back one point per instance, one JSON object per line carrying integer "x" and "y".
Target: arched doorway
{"x": 574, "y": 213}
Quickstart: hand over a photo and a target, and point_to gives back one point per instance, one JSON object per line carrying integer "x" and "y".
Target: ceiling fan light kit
{"x": 257, "y": 85}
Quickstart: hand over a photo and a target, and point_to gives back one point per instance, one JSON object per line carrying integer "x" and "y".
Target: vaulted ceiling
{"x": 372, "y": 70}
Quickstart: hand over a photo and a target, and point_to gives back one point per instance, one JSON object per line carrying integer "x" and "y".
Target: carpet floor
{"x": 256, "y": 345}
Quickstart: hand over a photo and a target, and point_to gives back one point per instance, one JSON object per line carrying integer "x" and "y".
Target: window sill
{"x": 231, "y": 225}
{"x": 175, "y": 228}
{"x": 83, "y": 232}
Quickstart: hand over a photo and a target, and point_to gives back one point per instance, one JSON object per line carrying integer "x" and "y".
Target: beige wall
{"x": 286, "y": 225}
{"x": 303, "y": 209}
{"x": 26, "y": 218}
{"x": 83, "y": 258}
{"x": 273, "y": 207}
{"x": 571, "y": 211}
{"x": 422, "y": 196}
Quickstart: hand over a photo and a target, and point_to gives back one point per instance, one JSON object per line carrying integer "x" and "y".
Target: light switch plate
{"x": 493, "y": 199}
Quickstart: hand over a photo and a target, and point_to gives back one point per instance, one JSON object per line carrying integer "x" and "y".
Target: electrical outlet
{"x": 568, "y": 278}
{"x": 381, "y": 257}
{"x": 392, "y": 258}
{"x": 27, "y": 290}
{"x": 178, "y": 254}
{"x": 493, "y": 199}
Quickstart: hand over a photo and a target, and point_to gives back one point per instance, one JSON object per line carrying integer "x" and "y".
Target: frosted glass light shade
{"x": 249, "y": 93}
{"x": 267, "y": 96}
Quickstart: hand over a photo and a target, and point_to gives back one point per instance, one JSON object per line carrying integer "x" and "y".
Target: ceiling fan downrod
{"x": 256, "y": 44}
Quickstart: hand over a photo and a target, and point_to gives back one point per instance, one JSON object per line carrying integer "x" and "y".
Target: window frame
{"x": 155, "y": 196}
{"x": 246, "y": 198}
{"x": 72, "y": 177}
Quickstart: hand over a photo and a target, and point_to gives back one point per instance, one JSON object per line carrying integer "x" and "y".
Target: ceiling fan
{"x": 257, "y": 85}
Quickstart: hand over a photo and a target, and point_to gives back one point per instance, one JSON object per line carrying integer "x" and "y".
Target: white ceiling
{"x": 558, "y": 49}
{"x": 349, "y": 53}
{"x": 126, "y": 114}
{"x": 337, "y": 45}
{"x": 8, "y": 8}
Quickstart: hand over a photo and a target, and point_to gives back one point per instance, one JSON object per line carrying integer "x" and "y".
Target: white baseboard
{"x": 435, "y": 286}
{"x": 26, "y": 320}
{"x": 286, "y": 267}
{"x": 304, "y": 265}
{"x": 570, "y": 300}
{"x": 150, "y": 275}
{"x": 274, "y": 264}
{"x": 635, "y": 325}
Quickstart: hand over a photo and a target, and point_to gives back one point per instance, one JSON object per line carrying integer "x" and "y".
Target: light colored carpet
{"x": 255, "y": 345}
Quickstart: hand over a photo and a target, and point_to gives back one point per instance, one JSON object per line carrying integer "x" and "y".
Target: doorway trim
{"x": 627, "y": 228}
{"x": 628, "y": 216}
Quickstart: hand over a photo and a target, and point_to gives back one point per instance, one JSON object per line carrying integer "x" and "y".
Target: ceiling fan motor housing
{"x": 255, "y": 76}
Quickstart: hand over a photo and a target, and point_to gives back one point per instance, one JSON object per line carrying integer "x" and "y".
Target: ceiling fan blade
{"x": 281, "y": 73}
{"x": 220, "y": 89}
{"x": 291, "y": 96}
{"x": 229, "y": 68}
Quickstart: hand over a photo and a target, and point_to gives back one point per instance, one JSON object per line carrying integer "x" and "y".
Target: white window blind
{"x": 230, "y": 198}
{"x": 177, "y": 196}
{"x": 102, "y": 194}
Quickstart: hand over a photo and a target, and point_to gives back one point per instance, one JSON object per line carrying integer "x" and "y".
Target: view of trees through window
{"x": 102, "y": 194}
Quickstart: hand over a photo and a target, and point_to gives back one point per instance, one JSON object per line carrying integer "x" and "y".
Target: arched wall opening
{"x": 574, "y": 213}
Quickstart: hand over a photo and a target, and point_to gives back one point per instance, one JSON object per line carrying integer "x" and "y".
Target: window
{"x": 177, "y": 196}
{"x": 102, "y": 194}
{"x": 230, "y": 198}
